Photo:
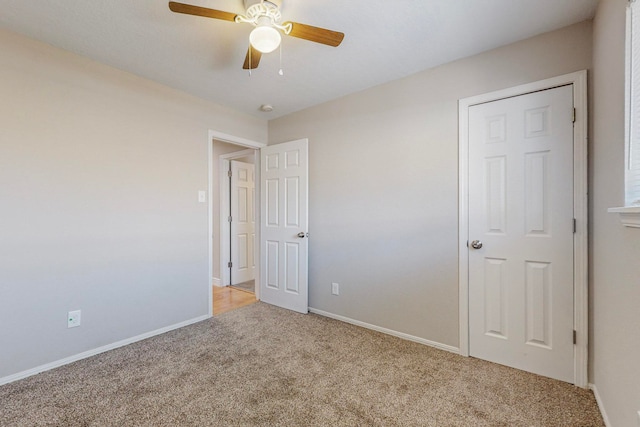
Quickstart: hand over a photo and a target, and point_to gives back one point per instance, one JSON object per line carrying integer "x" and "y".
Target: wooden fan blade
{"x": 201, "y": 11}
{"x": 255, "y": 58}
{"x": 316, "y": 34}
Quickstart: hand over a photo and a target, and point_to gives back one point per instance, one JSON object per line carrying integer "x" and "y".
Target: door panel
{"x": 521, "y": 209}
{"x": 285, "y": 215}
{"x": 495, "y": 301}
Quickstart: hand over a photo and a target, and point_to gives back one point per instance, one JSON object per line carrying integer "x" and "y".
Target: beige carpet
{"x": 260, "y": 365}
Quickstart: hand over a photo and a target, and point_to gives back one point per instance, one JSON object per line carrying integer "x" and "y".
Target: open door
{"x": 284, "y": 225}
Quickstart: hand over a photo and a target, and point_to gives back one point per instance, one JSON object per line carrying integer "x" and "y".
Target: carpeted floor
{"x": 261, "y": 365}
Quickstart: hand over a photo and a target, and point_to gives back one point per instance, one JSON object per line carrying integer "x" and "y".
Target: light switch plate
{"x": 202, "y": 196}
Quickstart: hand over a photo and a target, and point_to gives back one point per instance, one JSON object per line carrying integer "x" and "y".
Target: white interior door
{"x": 521, "y": 212}
{"x": 284, "y": 225}
{"x": 243, "y": 222}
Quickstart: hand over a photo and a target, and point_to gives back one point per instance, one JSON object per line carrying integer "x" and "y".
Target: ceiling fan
{"x": 265, "y": 16}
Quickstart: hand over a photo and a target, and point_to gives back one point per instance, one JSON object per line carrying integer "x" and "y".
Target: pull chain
{"x": 280, "y": 71}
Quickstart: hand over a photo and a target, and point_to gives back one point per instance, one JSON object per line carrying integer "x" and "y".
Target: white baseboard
{"x": 593, "y": 388}
{"x": 387, "y": 331}
{"x": 216, "y": 281}
{"x": 89, "y": 353}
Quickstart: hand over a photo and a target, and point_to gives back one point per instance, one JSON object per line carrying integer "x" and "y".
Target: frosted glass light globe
{"x": 265, "y": 38}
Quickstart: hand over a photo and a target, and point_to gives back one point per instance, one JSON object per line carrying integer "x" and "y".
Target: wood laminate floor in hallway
{"x": 227, "y": 298}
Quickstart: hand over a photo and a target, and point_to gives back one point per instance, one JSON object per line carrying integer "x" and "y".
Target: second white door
{"x": 521, "y": 232}
{"x": 243, "y": 222}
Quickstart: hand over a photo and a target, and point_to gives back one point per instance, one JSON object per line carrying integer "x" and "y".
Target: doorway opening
{"x": 224, "y": 151}
{"x": 281, "y": 274}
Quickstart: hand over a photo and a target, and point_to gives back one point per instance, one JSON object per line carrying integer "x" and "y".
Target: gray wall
{"x": 384, "y": 184}
{"x": 615, "y": 260}
{"x": 99, "y": 174}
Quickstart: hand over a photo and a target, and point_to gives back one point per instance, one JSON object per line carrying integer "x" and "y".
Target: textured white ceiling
{"x": 384, "y": 41}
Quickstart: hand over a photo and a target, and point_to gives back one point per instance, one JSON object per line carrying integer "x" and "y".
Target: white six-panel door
{"x": 243, "y": 220}
{"x": 284, "y": 225}
{"x": 521, "y": 212}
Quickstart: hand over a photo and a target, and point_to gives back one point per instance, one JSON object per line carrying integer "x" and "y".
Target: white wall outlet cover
{"x": 202, "y": 196}
{"x": 73, "y": 319}
{"x": 335, "y": 289}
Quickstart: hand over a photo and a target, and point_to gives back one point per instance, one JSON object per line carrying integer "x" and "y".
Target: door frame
{"x": 580, "y": 237}
{"x": 242, "y": 142}
{"x": 225, "y": 229}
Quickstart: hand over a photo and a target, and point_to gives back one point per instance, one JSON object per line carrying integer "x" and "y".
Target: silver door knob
{"x": 302, "y": 234}
{"x": 476, "y": 244}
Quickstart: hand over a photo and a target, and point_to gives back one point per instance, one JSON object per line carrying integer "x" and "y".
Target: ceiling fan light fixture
{"x": 265, "y": 38}
{"x": 265, "y": 16}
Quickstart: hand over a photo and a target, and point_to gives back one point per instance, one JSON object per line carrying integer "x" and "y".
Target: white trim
{"x": 463, "y": 229}
{"x": 210, "y": 220}
{"x": 215, "y": 281}
{"x": 629, "y": 215}
{"x": 632, "y": 97}
{"x": 628, "y": 51}
{"x": 235, "y": 140}
{"x": 581, "y": 236}
{"x": 605, "y": 418}
{"x": 89, "y": 353}
{"x": 581, "y": 307}
{"x": 391, "y": 332}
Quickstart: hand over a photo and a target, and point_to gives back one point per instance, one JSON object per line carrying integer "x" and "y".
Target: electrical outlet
{"x": 202, "y": 196}
{"x": 335, "y": 289}
{"x": 73, "y": 319}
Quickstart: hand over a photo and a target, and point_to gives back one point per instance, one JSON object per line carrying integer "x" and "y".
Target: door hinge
{"x": 230, "y": 219}
{"x": 229, "y": 264}
{"x": 574, "y": 116}
{"x": 575, "y": 337}
{"x": 229, "y": 174}
{"x": 575, "y": 226}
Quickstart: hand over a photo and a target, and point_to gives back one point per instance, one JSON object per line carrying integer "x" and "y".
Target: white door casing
{"x": 215, "y": 167}
{"x": 578, "y": 80}
{"x": 284, "y": 225}
{"x": 242, "y": 222}
{"x": 521, "y": 208}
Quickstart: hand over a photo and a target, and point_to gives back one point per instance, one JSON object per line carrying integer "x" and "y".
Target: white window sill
{"x": 629, "y": 215}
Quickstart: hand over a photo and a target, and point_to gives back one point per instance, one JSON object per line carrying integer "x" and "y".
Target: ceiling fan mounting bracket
{"x": 264, "y": 9}
{"x": 274, "y": 3}
{"x": 264, "y": 12}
